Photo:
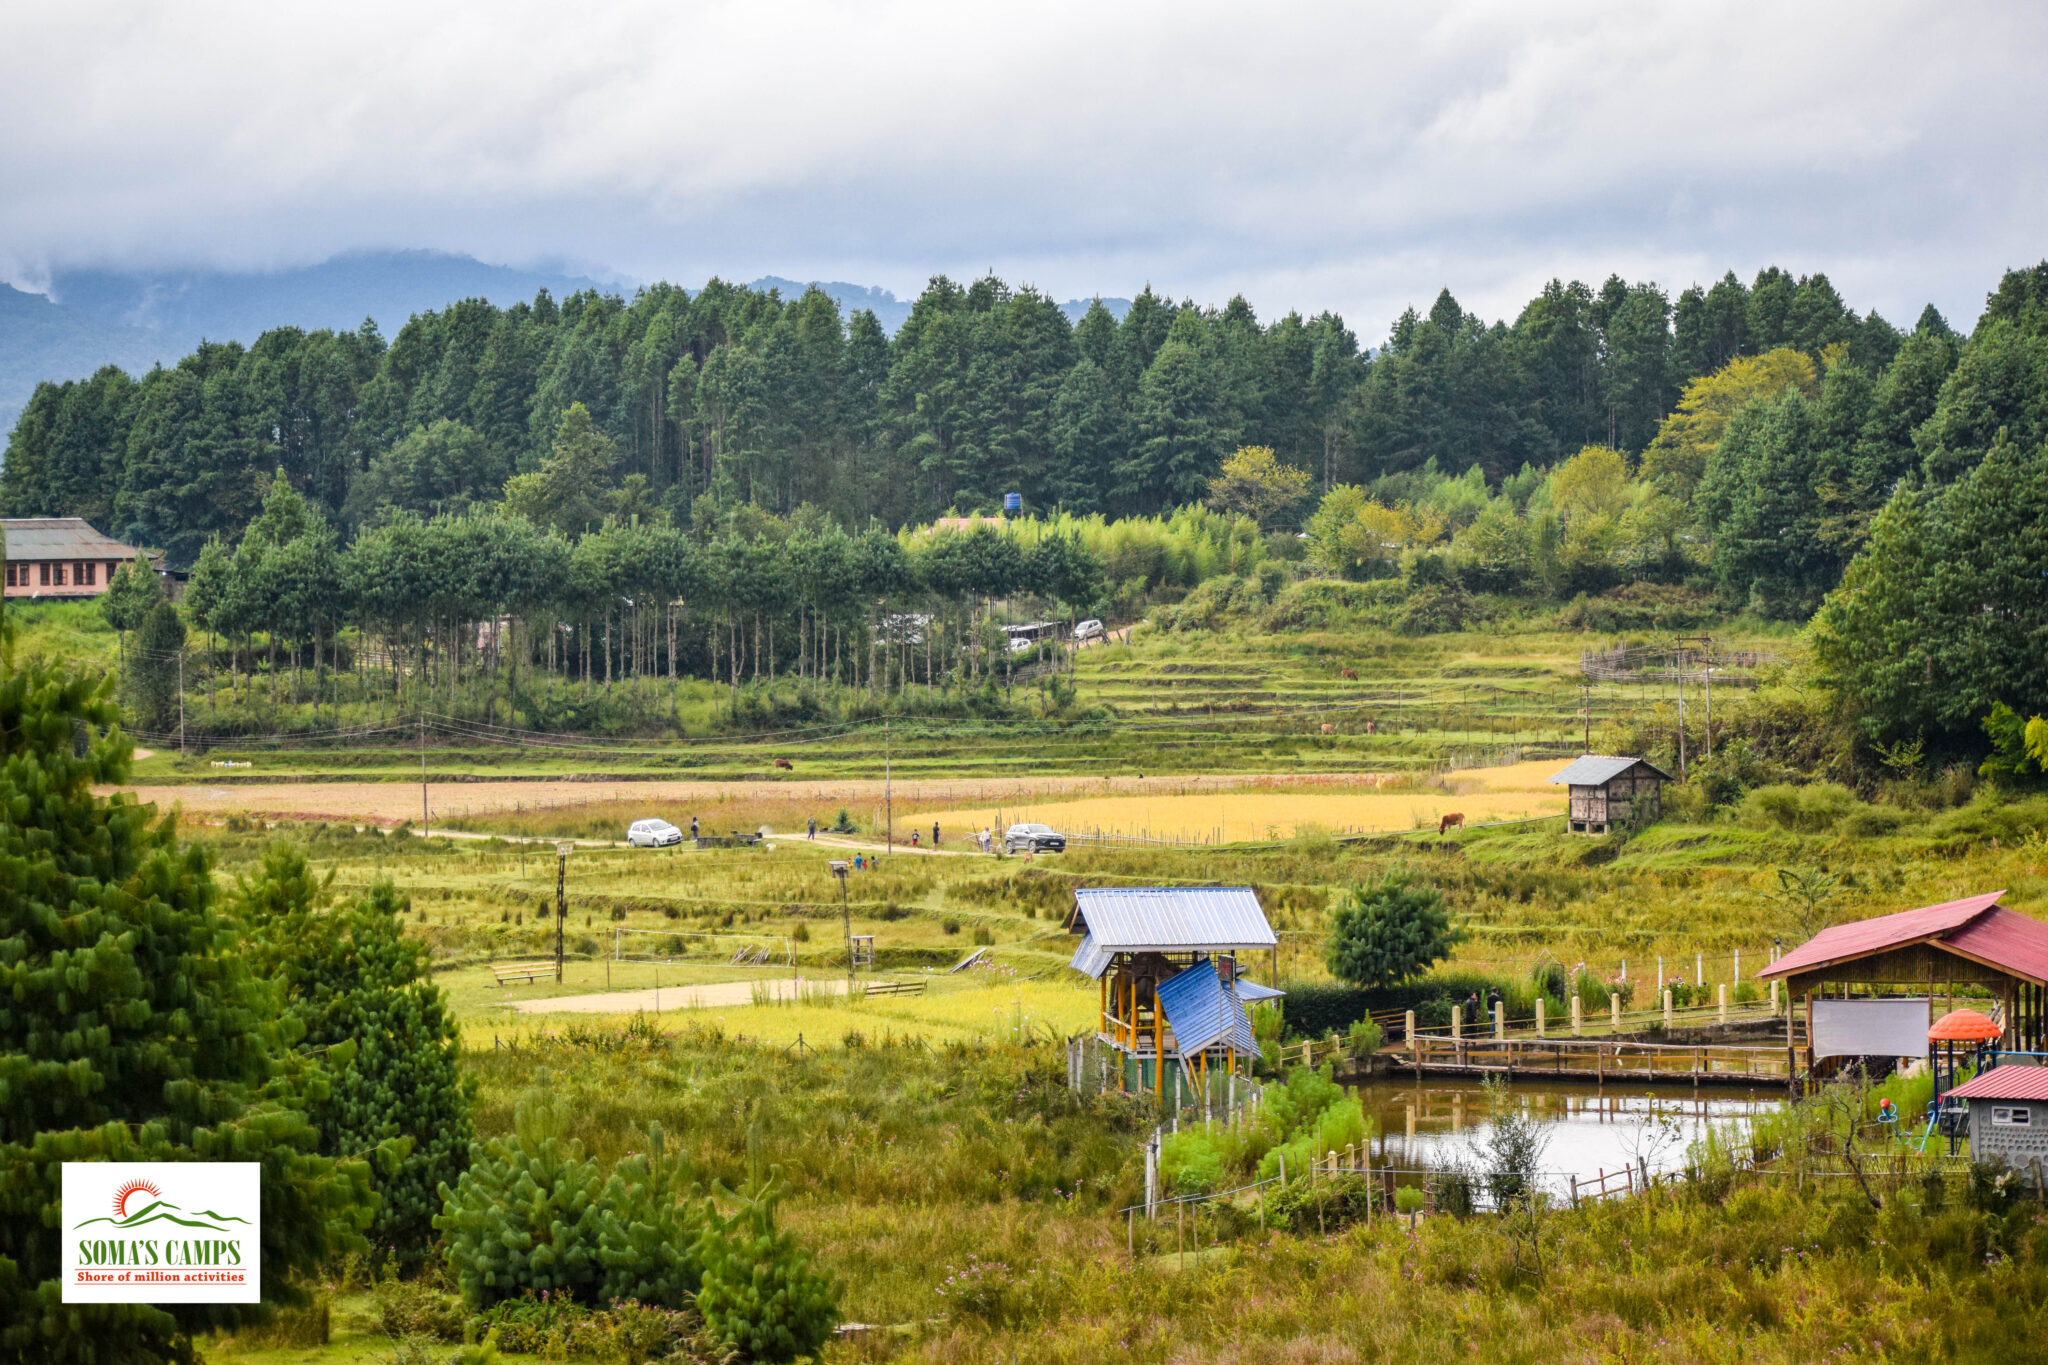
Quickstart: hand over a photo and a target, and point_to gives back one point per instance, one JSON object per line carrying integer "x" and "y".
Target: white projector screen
{"x": 1871, "y": 1028}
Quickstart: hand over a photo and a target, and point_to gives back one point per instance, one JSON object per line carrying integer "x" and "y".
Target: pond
{"x": 1586, "y": 1129}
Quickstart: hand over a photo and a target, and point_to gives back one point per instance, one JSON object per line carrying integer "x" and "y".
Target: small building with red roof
{"x": 2009, "y": 1116}
{"x": 1974, "y": 944}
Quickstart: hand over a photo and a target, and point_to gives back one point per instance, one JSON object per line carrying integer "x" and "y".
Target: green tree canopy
{"x": 134, "y": 1031}
{"x": 1387, "y": 931}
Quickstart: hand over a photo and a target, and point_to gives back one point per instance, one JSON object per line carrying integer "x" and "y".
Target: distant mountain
{"x": 891, "y": 311}
{"x": 219, "y": 305}
{"x": 42, "y": 340}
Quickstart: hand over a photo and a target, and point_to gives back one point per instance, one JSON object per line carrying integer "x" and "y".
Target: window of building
{"x": 10, "y": 576}
{"x": 2002, "y": 1117}
{"x": 57, "y": 574}
{"x": 42, "y": 575}
{"x": 85, "y": 576}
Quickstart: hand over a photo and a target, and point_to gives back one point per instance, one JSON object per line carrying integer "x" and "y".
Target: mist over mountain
{"x": 891, "y": 311}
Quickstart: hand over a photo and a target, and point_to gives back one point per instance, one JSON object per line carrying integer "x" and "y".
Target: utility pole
{"x": 425, "y": 827}
{"x": 1679, "y": 672}
{"x": 888, "y": 795}
{"x": 181, "y": 701}
{"x": 839, "y": 869}
{"x": 562, "y": 902}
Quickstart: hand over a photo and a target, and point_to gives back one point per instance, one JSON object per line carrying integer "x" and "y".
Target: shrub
{"x": 1388, "y": 931}
{"x": 760, "y": 1296}
{"x": 652, "y": 1221}
{"x": 410, "y": 1308}
{"x": 525, "y": 1216}
{"x": 1811, "y": 809}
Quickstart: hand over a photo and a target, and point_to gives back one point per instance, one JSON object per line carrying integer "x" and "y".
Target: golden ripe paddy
{"x": 1517, "y": 792}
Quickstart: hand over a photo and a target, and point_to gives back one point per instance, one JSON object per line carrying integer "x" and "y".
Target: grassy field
{"x": 1212, "y": 703}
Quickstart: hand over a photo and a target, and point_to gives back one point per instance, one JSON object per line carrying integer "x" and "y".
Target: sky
{"x": 1348, "y": 156}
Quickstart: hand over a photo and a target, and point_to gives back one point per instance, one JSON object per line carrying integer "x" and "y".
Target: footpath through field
{"x": 723, "y": 994}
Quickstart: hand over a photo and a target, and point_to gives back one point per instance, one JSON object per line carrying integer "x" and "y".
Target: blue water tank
{"x": 1013, "y": 502}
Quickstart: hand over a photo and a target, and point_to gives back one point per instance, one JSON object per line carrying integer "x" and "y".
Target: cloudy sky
{"x": 1348, "y": 155}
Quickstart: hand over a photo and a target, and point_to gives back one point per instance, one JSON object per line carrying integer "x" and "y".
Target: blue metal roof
{"x": 1091, "y": 958}
{"x": 1173, "y": 919}
{"x": 1202, "y": 1012}
{"x": 1251, "y": 991}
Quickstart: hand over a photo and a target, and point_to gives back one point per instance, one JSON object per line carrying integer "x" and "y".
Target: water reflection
{"x": 1588, "y": 1130}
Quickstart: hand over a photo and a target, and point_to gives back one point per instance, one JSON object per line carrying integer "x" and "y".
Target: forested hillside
{"x": 984, "y": 390}
{"x": 503, "y": 506}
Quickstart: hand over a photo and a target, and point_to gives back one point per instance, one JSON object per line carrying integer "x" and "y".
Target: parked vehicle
{"x": 1033, "y": 839}
{"x": 653, "y": 834}
{"x": 1018, "y": 644}
{"x": 1090, "y": 629}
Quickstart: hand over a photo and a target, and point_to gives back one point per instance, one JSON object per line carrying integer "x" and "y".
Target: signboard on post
{"x": 162, "y": 1232}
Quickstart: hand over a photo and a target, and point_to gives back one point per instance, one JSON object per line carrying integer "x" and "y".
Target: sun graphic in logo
{"x": 129, "y": 1191}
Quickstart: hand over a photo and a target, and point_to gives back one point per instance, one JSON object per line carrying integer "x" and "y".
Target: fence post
{"x": 1722, "y": 990}
{"x": 1614, "y": 1009}
{"x": 1577, "y": 1021}
{"x": 1415, "y": 1048}
{"x": 1500, "y": 1020}
{"x": 1774, "y": 997}
{"x": 1699, "y": 969}
{"x": 1457, "y": 1023}
{"x": 1539, "y": 1016}
{"x": 1667, "y": 1009}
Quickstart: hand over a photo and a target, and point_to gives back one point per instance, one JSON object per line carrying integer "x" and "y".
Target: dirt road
{"x": 723, "y": 994}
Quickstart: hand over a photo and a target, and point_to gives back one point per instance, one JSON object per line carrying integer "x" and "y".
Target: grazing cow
{"x": 785, "y": 765}
{"x": 1329, "y": 729}
{"x": 1349, "y": 675}
{"x": 1372, "y": 727}
{"x": 1450, "y": 822}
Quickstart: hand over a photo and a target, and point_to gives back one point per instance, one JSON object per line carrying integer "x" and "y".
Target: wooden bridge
{"x": 1595, "y": 1059}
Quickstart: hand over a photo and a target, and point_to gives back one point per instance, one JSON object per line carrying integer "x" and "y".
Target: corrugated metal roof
{"x": 2005, "y": 1083}
{"x": 1866, "y": 936}
{"x": 1595, "y": 769}
{"x": 2007, "y": 939}
{"x": 1202, "y": 1011}
{"x": 1251, "y": 991}
{"x": 30, "y": 538}
{"x": 1170, "y": 919}
{"x": 1091, "y": 959}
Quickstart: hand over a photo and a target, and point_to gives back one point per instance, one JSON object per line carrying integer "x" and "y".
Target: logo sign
{"x": 162, "y": 1231}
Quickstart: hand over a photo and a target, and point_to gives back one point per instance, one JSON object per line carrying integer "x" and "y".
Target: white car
{"x": 1018, "y": 644}
{"x": 1090, "y": 629}
{"x": 653, "y": 834}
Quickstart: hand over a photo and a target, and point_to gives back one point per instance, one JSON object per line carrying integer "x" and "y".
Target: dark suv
{"x": 1033, "y": 839}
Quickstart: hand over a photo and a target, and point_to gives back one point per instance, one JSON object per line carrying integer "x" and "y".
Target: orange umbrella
{"x": 1964, "y": 1026}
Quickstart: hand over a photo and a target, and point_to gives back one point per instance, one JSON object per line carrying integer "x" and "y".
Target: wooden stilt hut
{"x": 1173, "y": 1001}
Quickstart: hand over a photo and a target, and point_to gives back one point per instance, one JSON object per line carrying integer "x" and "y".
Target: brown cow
{"x": 785, "y": 765}
{"x": 1450, "y": 822}
{"x": 1329, "y": 729}
{"x": 1349, "y": 675}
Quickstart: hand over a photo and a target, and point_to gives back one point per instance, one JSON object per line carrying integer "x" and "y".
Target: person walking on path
{"x": 935, "y": 834}
{"x": 693, "y": 827}
{"x": 813, "y": 834}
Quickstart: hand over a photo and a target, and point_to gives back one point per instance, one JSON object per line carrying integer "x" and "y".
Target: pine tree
{"x": 1387, "y": 932}
{"x": 350, "y": 975}
{"x": 132, "y": 1030}
{"x": 526, "y": 1213}
{"x": 130, "y": 593}
{"x": 153, "y": 677}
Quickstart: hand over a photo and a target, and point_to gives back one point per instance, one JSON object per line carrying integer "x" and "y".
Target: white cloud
{"x": 1308, "y": 155}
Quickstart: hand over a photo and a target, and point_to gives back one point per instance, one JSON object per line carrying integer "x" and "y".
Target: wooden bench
{"x": 895, "y": 988}
{"x": 521, "y": 971}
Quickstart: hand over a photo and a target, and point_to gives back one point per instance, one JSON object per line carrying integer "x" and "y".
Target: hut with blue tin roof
{"x": 1173, "y": 999}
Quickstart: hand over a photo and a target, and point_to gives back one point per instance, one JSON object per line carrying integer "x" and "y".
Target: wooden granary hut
{"x": 1173, "y": 996}
{"x": 1605, "y": 790}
